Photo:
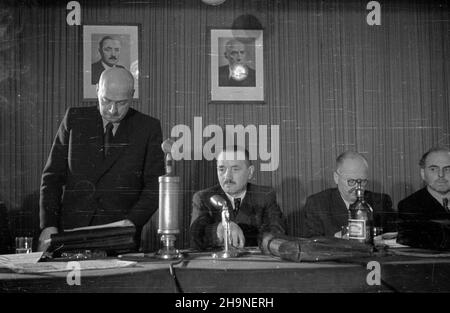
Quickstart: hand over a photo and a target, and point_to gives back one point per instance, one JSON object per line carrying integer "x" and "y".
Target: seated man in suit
{"x": 104, "y": 164}
{"x": 254, "y": 208}
{"x": 237, "y": 73}
{"x": 109, "y": 50}
{"x": 327, "y": 212}
{"x": 429, "y": 203}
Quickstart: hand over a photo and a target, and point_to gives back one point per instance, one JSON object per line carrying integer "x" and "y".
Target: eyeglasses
{"x": 352, "y": 182}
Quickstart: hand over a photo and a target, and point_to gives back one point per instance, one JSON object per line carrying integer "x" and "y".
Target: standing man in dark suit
{"x": 327, "y": 212}
{"x": 109, "y": 50}
{"x": 104, "y": 164}
{"x": 417, "y": 211}
{"x": 254, "y": 208}
{"x": 237, "y": 73}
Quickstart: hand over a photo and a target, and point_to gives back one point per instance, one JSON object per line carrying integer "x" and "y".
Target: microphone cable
{"x": 177, "y": 285}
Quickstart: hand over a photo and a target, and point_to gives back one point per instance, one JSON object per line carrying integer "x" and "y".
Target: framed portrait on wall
{"x": 106, "y": 46}
{"x": 236, "y": 65}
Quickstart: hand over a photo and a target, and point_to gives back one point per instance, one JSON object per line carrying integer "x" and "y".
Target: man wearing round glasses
{"x": 326, "y": 212}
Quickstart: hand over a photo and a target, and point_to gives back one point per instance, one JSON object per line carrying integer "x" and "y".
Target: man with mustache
{"x": 253, "y": 208}
{"x": 417, "y": 211}
{"x": 104, "y": 164}
{"x": 109, "y": 50}
{"x": 327, "y": 212}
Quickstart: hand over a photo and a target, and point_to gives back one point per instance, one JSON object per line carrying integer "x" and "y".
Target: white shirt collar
{"x": 438, "y": 196}
{"x": 240, "y": 196}
{"x": 106, "y": 66}
{"x": 115, "y": 126}
{"x": 347, "y": 204}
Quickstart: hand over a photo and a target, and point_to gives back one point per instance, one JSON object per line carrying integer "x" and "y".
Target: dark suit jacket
{"x": 415, "y": 214}
{"x": 5, "y": 236}
{"x": 325, "y": 212}
{"x": 225, "y": 81}
{"x": 80, "y": 188}
{"x": 258, "y": 213}
{"x": 97, "y": 70}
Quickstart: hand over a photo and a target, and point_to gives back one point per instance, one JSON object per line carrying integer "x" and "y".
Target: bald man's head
{"x": 350, "y": 166}
{"x": 115, "y": 91}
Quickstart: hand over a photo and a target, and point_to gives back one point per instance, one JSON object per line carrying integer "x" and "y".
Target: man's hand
{"x": 44, "y": 241}
{"x": 237, "y": 236}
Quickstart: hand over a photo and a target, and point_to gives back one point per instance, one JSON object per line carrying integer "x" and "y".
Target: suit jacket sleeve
{"x": 54, "y": 176}
{"x": 273, "y": 220}
{"x": 203, "y": 230}
{"x": 412, "y": 229}
{"x": 153, "y": 168}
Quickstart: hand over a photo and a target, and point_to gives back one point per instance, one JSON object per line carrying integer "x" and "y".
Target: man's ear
{"x": 422, "y": 173}
{"x": 251, "y": 170}
{"x": 336, "y": 177}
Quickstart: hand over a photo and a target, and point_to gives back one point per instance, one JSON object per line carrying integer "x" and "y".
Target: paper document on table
{"x": 13, "y": 260}
{"x": 48, "y": 267}
{"x": 122, "y": 223}
{"x": 388, "y": 239}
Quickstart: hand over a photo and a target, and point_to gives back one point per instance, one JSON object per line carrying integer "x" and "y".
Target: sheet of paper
{"x": 48, "y": 267}
{"x": 13, "y": 260}
{"x": 122, "y": 223}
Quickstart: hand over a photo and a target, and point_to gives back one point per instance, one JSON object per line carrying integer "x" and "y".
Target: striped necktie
{"x": 445, "y": 204}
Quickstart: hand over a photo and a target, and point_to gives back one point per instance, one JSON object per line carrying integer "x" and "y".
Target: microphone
{"x": 218, "y": 201}
{"x": 228, "y": 251}
{"x": 166, "y": 147}
{"x": 168, "y": 206}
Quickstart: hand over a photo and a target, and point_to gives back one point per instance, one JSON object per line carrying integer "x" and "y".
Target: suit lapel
{"x": 92, "y": 134}
{"x": 120, "y": 142}
{"x": 246, "y": 207}
{"x": 98, "y": 157}
{"x": 224, "y": 195}
{"x": 431, "y": 205}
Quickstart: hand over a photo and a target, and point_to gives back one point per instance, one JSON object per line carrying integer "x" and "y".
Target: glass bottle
{"x": 360, "y": 222}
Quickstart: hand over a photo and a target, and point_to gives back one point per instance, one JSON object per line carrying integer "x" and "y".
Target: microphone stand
{"x": 229, "y": 251}
{"x": 168, "y": 207}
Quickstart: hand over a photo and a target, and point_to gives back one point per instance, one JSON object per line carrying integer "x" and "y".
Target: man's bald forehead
{"x": 117, "y": 76}
{"x": 351, "y": 160}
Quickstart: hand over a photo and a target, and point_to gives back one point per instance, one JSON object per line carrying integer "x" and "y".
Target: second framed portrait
{"x": 236, "y": 65}
{"x": 106, "y": 46}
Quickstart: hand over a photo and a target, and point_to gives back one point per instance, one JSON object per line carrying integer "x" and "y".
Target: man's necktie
{"x": 445, "y": 204}
{"x": 108, "y": 137}
{"x": 237, "y": 204}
